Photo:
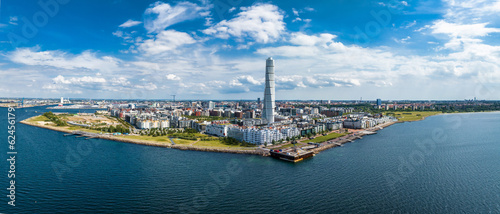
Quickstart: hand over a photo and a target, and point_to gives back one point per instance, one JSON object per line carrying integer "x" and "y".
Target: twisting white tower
{"x": 268, "y": 112}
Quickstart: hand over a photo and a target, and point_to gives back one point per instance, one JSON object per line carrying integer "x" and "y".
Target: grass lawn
{"x": 203, "y": 135}
{"x": 328, "y": 137}
{"x": 38, "y": 119}
{"x": 182, "y": 141}
{"x": 77, "y": 128}
{"x": 148, "y": 138}
{"x": 217, "y": 143}
{"x": 413, "y": 115}
{"x": 289, "y": 145}
{"x": 197, "y": 135}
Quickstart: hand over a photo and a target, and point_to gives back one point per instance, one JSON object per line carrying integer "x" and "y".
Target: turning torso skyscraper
{"x": 268, "y": 112}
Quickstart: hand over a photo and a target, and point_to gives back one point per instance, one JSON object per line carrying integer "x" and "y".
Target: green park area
{"x": 412, "y": 116}
{"x": 327, "y": 137}
{"x": 78, "y": 128}
{"x": 288, "y": 146}
{"x": 146, "y": 138}
{"x": 38, "y": 119}
{"x": 214, "y": 142}
{"x": 218, "y": 143}
{"x": 183, "y": 141}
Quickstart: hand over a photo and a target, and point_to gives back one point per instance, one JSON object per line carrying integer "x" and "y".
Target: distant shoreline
{"x": 475, "y": 112}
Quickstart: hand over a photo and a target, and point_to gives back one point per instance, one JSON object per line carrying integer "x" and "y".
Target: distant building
{"x": 164, "y": 124}
{"x": 216, "y": 113}
{"x": 238, "y": 114}
{"x": 184, "y": 123}
{"x": 379, "y": 102}
{"x": 211, "y": 105}
{"x": 228, "y": 113}
{"x": 288, "y": 111}
{"x": 330, "y": 113}
{"x": 144, "y": 124}
{"x": 249, "y": 114}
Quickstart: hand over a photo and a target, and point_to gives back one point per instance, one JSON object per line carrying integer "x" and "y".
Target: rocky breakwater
{"x": 223, "y": 150}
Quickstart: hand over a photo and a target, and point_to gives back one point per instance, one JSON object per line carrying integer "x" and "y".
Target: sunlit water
{"x": 444, "y": 164}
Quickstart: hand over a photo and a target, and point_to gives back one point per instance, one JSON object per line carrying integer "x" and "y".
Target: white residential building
{"x": 164, "y": 123}
{"x": 262, "y": 136}
{"x": 144, "y": 124}
{"x": 217, "y": 130}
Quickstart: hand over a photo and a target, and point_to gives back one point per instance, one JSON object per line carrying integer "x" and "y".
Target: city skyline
{"x": 397, "y": 50}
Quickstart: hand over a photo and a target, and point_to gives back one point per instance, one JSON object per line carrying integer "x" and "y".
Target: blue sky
{"x": 205, "y": 49}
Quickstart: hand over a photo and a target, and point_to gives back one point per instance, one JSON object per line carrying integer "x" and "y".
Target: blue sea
{"x": 443, "y": 164}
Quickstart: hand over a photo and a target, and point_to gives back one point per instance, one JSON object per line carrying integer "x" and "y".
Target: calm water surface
{"x": 444, "y": 164}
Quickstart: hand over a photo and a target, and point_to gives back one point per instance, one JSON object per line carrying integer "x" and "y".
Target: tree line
{"x": 54, "y": 118}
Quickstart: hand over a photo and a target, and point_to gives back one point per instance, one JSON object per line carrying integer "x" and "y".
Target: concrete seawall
{"x": 222, "y": 150}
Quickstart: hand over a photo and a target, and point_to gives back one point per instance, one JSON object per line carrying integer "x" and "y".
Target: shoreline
{"x": 474, "y": 112}
{"x": 17, "y": 107}
{"x": 256, "y": 151}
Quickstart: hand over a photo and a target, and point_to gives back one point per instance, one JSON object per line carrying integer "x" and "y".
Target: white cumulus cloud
{"x": 161, "y": 15}
{"x": 130, "y": 23}
{"x": 78, "y": 80}
{"x": 165, "y": 41}
{"x": 172, "y": 77}
{"x": 261, "y": 22}
{"x": 59, "y": 59}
